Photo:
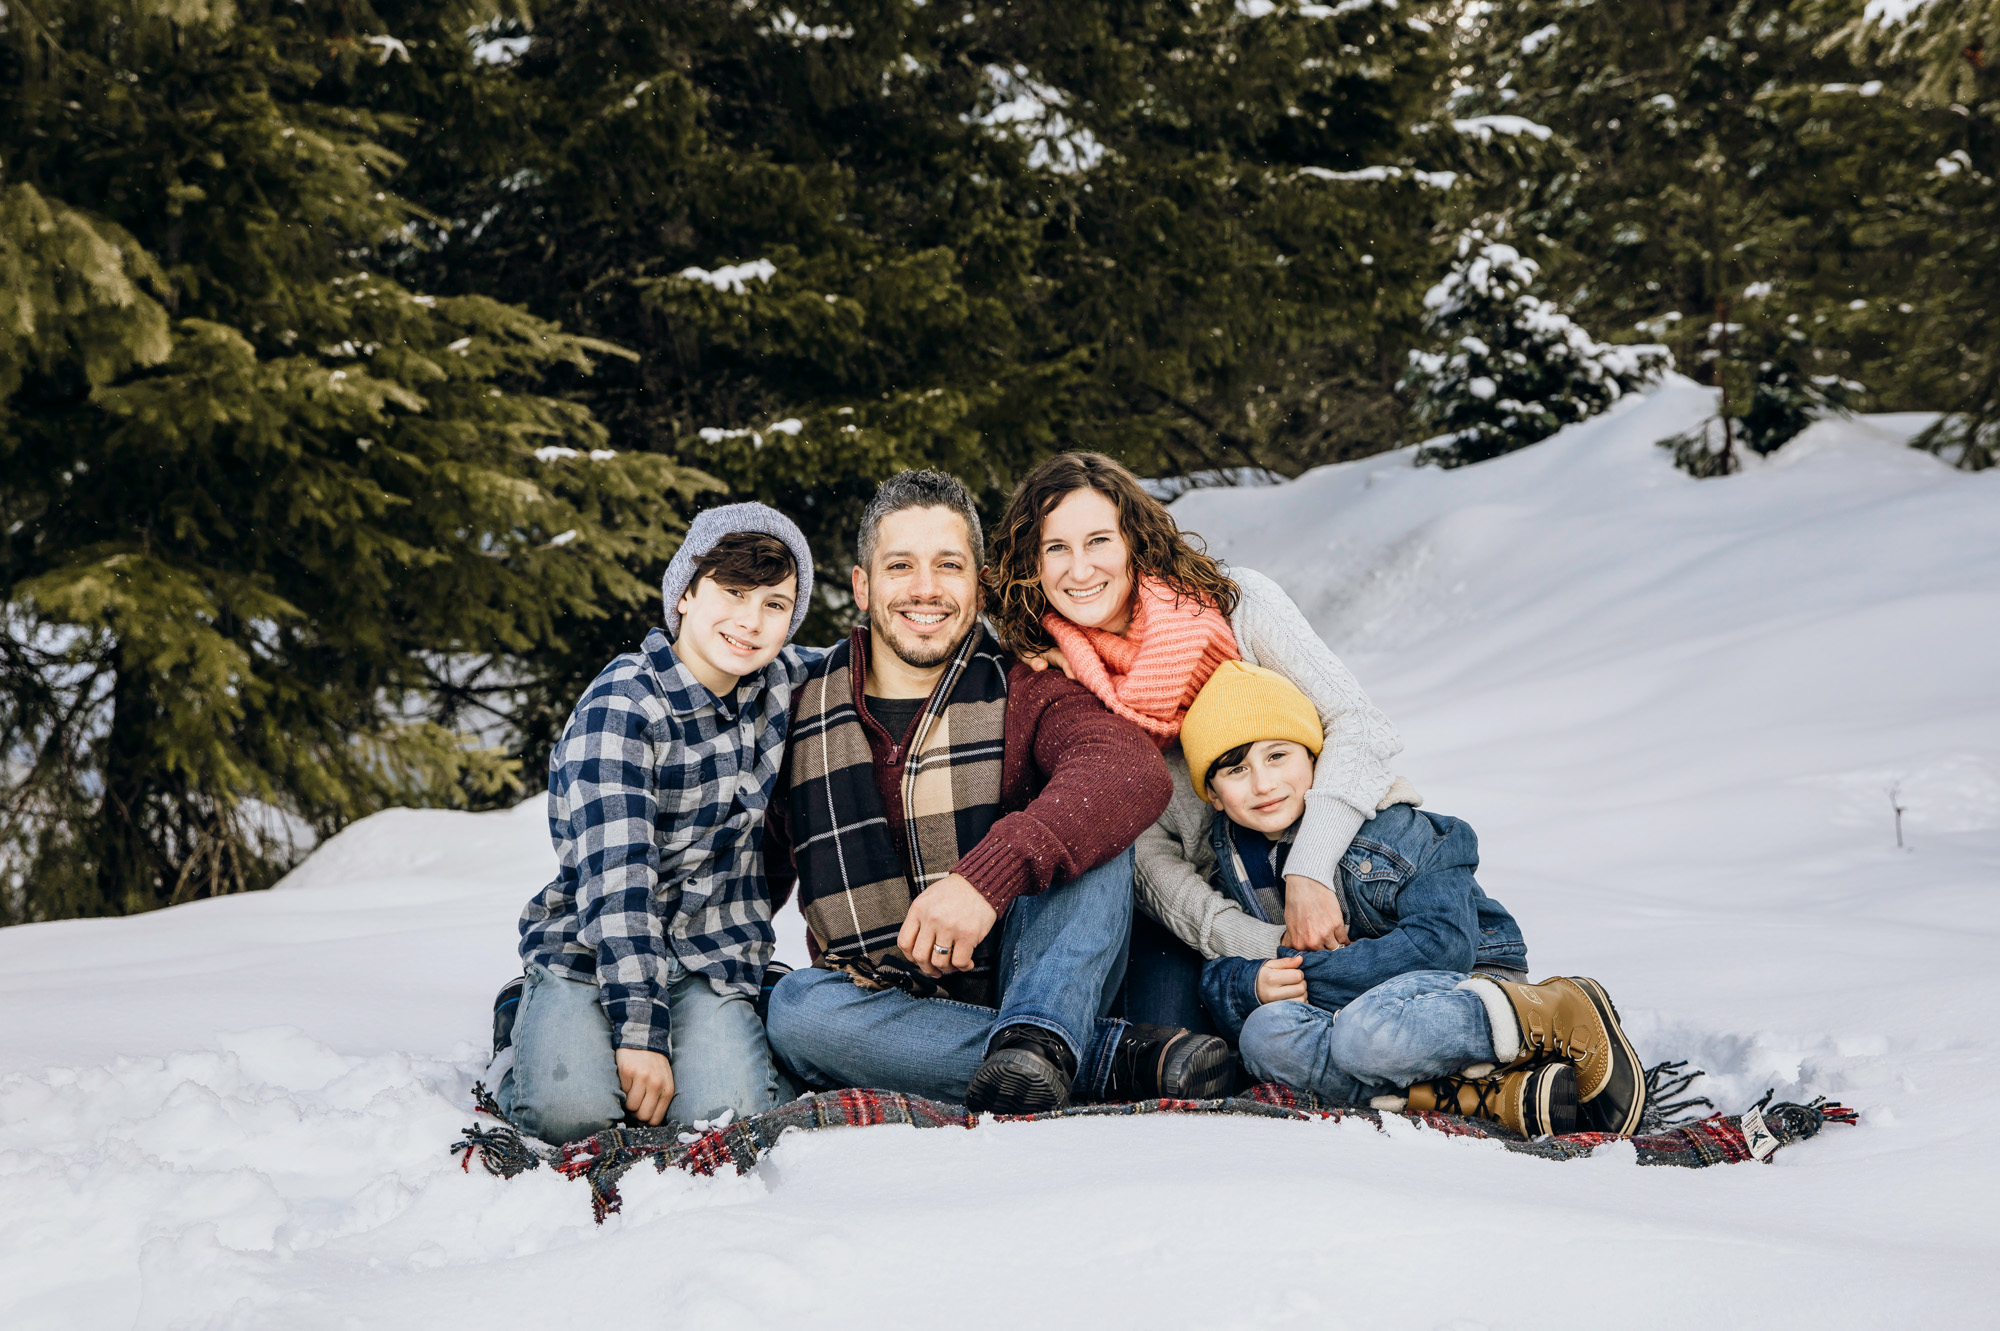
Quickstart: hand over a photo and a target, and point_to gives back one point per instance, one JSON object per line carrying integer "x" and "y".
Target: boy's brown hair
{"x": 744, "y": 560}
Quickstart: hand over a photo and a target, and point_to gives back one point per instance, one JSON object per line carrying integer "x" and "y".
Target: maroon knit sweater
{"x": 1077, "y": 786}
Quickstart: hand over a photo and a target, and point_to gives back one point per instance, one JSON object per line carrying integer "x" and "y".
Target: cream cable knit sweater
{"x": 1351, "y": 781}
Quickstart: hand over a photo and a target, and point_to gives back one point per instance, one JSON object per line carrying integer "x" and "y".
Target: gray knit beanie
{"x": 712, "y": 526}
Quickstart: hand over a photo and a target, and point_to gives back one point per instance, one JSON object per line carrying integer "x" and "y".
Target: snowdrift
{"x": 1680, "y": 714}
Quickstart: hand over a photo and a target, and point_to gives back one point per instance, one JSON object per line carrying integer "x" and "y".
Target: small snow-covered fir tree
{"x": 1513, "y": 368}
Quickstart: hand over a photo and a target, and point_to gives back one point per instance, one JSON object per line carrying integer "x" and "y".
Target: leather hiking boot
{"x": 1570, "y": 1019}
{"x": 1027, "y": 1071}
{"x": 1535, "y": 1102}
{"x": 1168, "y": 1063}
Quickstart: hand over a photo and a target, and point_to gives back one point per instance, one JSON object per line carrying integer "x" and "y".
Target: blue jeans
{"x": 1415, "y": 1027}
{"x": 1062, "y": 957}
{"x": 564, "y": 1082}
{"x": 1163, "y": 980}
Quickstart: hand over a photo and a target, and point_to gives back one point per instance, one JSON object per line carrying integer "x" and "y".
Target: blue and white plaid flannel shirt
{"x": 656, "y": 806}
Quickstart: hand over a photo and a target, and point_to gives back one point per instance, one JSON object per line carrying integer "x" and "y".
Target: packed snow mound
{"x": 1681, "y": 716}
{"x": 432, "y": 844}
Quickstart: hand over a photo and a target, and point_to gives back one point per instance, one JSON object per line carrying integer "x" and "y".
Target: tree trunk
{"x": 128, "y": 868}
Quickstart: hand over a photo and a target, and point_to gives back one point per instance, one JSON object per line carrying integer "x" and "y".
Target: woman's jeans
{"x": 1062, "y": 957}
{"x": 1415, "y": 1027}
{"x": 1163, "y": 980}
{"x": 564, "y": 1082}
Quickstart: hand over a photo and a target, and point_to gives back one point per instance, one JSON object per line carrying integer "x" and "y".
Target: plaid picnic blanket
{"x": 603, "y": 1159}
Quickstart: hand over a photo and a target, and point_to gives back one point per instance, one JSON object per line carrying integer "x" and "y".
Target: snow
{"x": 1891, "y": 13}
{"x": 1675, "y": 710}
{"x": 1483, "y": 128}
{"x": 731, "y": 277}
{"x": 1023, "y": 107}
{"x": 1540, "y": 37}
{"x": 1432, "y": 179}
{"x": 499, "y": 50}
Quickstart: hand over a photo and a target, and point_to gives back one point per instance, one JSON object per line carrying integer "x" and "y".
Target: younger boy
{"x": 1429, "y": 999}
{"x": 644, "y": 956}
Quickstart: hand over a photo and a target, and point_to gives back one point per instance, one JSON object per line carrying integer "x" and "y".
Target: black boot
{"x": 773, "y": 972}
{"x": 1027, "y": 1071}
{"x": 506, "y": 1006}
{"x": 1169, "y": 1063}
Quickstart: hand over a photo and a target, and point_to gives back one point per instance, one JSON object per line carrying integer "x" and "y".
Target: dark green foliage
{"x": 1949, "y": 56}
{"x": 993, "y": 230}
{"x": 1717, "y": 163}
{"x": 258, "y": 495}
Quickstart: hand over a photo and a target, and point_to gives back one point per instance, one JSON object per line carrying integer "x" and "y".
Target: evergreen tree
{"x": 1717, "y": 174}
{"x": 258, "y": 495}
{"x": 852, "y": 237}
{"x": 1944, "y": 54}
{"x": 1513, "y": 369}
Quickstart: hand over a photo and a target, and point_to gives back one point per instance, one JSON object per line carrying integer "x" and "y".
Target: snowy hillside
{"x": 1674, "y": 710}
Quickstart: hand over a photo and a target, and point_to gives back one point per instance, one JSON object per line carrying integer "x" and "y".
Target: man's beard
{"x": 921, "y": 653}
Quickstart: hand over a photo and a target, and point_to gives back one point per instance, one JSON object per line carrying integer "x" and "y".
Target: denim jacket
{"x": 1407, "y": 891}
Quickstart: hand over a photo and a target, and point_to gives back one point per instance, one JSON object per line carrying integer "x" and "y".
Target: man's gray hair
{"x": 919, "y": 489}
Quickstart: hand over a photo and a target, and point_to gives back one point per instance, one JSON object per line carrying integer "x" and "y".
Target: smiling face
{"x": 1086, "y": 563}
{"x": 1265, "y": 790}
{"x": 729, "y": 632}
{"x": 921, "y": 588}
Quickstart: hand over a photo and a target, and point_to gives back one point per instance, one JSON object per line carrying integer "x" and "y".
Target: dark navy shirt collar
{"x": 685, "y": 693}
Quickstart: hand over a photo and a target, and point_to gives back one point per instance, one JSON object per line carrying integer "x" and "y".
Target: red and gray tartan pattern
{"x": 603, "y": 1159}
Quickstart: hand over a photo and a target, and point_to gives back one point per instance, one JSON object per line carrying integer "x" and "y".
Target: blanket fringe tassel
{"x": 1670, "y": 1134}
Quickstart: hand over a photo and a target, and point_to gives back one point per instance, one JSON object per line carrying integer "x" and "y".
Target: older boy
{"x": 1427, "y": 999}
{"x": 644, "y": 956}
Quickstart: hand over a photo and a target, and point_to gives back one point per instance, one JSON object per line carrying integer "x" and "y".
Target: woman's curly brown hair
{"x": 1159, "y": 548}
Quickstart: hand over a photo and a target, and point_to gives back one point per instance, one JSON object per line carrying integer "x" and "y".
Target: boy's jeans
{"x": 1415, "y": 1027}
{"x": 1062, "y": 957}
{"x": 564, "y": 1082}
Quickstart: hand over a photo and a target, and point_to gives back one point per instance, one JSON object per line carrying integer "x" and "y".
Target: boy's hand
{"x": 1280, "y": 980}
{"x": 648, "y": 1082}
{"x": 1313, "y": 922}
{"x": 948, "y": 914}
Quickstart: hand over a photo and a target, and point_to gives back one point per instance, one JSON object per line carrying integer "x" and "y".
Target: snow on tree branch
{"x": 1513, "y": 368}
{"x": 1025, "y": 108}
{"x": 731, "y": 277}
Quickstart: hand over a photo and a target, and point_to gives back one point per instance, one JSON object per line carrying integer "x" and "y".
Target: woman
{"x": 1091, "y": 574}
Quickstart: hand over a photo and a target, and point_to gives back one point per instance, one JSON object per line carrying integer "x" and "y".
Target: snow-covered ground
{"x": 1675, "y": 711}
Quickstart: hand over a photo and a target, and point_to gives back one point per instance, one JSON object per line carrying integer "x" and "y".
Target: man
{"x": 961, "y": 829}
{"x": 644, "y": 956}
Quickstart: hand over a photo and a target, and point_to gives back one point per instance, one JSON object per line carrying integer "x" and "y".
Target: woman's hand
{"x": 1281, "y": 981}
{"x": 1313, "y": 920}
{"x": 1052, "y": 657}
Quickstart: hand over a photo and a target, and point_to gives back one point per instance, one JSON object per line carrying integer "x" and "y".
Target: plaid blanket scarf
{"x": 1691, "y": 1143}
{"x": 855, "y": 882}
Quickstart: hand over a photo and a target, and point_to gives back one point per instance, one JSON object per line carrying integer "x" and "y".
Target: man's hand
{"x": 1280, "y": 980}
{"x": 1052, "y": 657}
{"x": 1313, "y": 922}
{"x": 648, "y": 1082}
{"x": 949, "y": 914}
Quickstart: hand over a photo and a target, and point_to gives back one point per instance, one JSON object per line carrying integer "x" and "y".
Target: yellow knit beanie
{"x": 1242, "y": 704}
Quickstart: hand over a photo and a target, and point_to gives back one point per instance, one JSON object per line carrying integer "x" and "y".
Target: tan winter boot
{"x": 1571, "y": 1019}
{"x": 1535, "y": 1102}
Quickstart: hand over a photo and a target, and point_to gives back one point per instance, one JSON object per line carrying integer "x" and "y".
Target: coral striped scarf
{"x": 1151, "y": 672}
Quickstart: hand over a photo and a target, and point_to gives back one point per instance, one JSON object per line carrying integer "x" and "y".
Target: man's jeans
{"x": 1062, "y": 957}
{"x": 1415, "y": 1027}
{"x": 564, "y": 1082}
